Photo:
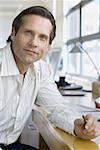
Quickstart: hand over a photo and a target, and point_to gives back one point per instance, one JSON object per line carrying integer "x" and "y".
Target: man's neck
{"x": 21, "y": 66}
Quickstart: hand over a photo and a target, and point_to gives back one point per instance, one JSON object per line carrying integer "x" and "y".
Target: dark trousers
{"x": 17, "y": 146}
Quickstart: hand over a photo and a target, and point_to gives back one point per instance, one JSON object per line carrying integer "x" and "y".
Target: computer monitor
{"x": 54, "y": 59}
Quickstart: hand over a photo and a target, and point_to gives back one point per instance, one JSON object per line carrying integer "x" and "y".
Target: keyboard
{"x": 72, "y": 93}
{"x": 71, "y": 87}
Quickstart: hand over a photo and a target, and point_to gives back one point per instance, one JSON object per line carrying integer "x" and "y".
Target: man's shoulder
{"x": 5, "y": 46}
{"x": 2, "y": 51}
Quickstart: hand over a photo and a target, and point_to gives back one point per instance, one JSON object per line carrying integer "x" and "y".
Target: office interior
{"x": 78, "y": 24}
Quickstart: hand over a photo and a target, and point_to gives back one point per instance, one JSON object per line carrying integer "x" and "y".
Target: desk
{"x": 57, "y": 139}
{"x": 86, "y": 100}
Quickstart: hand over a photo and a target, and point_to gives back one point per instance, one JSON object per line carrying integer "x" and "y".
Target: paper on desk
{"x": 88, "y": 110}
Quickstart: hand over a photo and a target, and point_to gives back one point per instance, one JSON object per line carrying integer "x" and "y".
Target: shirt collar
{"x": 8, "y": 65}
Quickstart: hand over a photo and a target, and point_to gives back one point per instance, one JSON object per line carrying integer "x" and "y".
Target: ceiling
{"x": 7, "y": 6}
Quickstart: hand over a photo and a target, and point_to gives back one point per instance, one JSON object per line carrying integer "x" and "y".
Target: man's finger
{"x": 90, "y": 120}
{"x": 79, "y": 122}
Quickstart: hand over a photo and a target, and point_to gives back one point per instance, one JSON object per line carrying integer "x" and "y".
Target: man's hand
{"x": 87, "y": 127}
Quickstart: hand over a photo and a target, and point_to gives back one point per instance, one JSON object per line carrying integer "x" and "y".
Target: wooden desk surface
{"x": 57, "y": 139}
{"x": 79, "y": 144}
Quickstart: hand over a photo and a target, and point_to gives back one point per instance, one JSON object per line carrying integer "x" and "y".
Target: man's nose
{"x": 34, "y": 41}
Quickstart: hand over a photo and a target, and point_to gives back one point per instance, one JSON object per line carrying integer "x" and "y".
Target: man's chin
{"x": 29, "y": 62}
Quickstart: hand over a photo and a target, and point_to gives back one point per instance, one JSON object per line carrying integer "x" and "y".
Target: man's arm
{"x": 60, "y": 112}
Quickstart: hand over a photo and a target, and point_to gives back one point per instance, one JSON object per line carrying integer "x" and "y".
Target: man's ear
{"x": 13, "y": 34}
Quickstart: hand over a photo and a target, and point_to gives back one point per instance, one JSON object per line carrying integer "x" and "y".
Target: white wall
{"x": 10, "y": 8}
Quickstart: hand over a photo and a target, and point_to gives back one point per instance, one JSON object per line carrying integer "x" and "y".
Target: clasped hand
{"x": 87, "y": 127}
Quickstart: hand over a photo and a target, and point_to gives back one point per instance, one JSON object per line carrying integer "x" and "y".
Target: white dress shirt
{"x": 18, "y": 94}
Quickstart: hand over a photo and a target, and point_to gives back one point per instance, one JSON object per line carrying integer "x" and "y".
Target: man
{"x": 25, "y": 79}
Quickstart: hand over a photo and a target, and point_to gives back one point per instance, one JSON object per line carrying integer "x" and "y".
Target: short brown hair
{"x": 35, "y": 10}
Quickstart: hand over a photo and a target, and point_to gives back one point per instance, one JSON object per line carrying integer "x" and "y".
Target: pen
{"x": 85, "y": 121}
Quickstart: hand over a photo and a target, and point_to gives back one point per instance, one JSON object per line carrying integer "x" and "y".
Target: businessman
{"x": 26, "y": 79}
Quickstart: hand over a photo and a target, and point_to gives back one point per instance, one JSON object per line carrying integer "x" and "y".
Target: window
{"x": 90, "y": 18}
{"x": 83, "y": 26}
{"x": 73, "y": 25}
{"x": 68, "y": 4}
{"x": 74, "y": 62}
{"x": 93, "y": 48}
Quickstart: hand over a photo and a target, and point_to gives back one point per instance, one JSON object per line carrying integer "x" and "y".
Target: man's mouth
{"x": 31, "y": 51}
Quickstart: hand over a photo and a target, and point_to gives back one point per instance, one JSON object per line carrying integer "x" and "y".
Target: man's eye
{"x": 42, "y": 38}
{"x": 28, "y": 33}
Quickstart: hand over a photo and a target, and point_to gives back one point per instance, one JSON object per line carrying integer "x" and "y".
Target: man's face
{"x": 32, "y": 39}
